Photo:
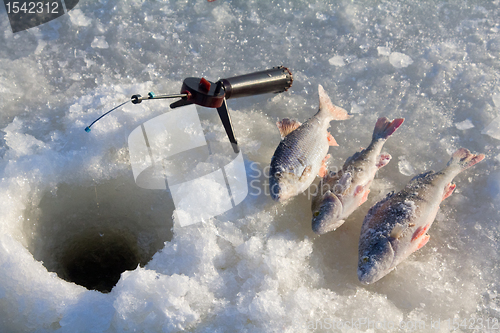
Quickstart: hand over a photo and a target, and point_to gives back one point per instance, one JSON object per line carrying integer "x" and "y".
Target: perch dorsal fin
{"x": 287, "y": 126}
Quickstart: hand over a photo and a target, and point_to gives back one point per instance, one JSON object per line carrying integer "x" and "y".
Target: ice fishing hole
{"x": 90, "y": 234}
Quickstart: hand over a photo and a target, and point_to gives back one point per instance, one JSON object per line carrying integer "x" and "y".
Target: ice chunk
{"x": 21, "y": 144}
{"x": 336, "y": 61}
{"x": 405, "y": 167}
{"x": 149, "y": 301}
{"x": 496, "y": 99}
{"x": 493, "y": 129}
{"x": 463, "y": 125}
{"x": 213, "y": 194}
{"x": 99, "y": 42}
{"x": 78, "y": 18}
{"x": 400, "y": 60}
{"x": 384, "y": 50}
{"x": 223, "y": 14}
{"x": 41, "y": 46}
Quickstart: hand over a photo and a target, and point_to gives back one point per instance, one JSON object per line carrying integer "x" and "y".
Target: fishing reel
{"x": 214, "y": 95}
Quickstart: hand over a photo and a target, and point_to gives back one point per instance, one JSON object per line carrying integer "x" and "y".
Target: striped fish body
{"x": 397, "y": 226}
{"x": 341, "y": 193}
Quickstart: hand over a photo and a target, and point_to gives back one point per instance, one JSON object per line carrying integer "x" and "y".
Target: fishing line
{"x": 136, "y": 99}
{"x": 87, "y": 129}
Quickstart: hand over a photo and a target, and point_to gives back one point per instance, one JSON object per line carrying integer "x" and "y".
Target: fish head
{"x": 283, "y": 185}
{"x": 376, "y": 256}
{"x": 326, "y": 215}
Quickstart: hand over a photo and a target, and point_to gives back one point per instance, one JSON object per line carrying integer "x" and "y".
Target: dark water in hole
{"x": 89, "y": 235}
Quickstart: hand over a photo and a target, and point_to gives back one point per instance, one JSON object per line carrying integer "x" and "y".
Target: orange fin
{"x": 465, "y": 159}
{"x": 419, "y": 232}
{"x": 383, "y": 160}
{"x": 322, "y": 169}
{"x": 286, "y": 126}
{"x": 384, "y": 127}
{"x": 331, "y": 140}
{"x": 335, "y": 112}
{"x": 365, "y": 197}
{"x": 448, "y": 190}
{"x": 362, "y": 190}
{"x": 424, "y": 239}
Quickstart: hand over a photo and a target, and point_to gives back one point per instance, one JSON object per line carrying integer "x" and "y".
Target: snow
{"x": 464, "y": 125}
{"x": 384, "y": 50}
{"x": 78, "y": 18}
{"x": 337, "y": 61}
{"x": 67, "y": 196}
{"x": 400, "y": 60}
{"x": 99, "y": 42}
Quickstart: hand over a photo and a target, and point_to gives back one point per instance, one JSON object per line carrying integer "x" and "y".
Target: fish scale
{"x": 298, "y": 150}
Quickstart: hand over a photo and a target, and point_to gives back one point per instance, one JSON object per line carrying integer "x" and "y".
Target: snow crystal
{"x": 463, "y": 125}
{"x": 384, "y": 50}
{"x": 99, "y": 42}
{"x": 405, "y": 167}
{"x": 400, "y": 60}
{"x": 78, "y": 18}
{"x": 337, "y": 61}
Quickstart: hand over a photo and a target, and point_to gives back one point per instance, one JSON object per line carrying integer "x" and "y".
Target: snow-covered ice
{"x": 71, "y": 210}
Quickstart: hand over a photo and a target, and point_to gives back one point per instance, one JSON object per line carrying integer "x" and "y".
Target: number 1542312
{"x": 35, "y": 7}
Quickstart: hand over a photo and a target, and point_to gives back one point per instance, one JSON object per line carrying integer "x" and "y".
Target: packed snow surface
{"x": 69, "y": 203}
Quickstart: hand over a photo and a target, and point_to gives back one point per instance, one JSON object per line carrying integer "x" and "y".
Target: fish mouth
{"x": 327, "y": 217}
{"x": 279, "y": 191}
{"x": 275, "y": 189}
{"x": 375, "y": 263}
{"x": 283, "y": 186}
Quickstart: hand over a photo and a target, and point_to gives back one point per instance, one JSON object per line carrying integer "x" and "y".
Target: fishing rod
{"x": 205, "y": 93}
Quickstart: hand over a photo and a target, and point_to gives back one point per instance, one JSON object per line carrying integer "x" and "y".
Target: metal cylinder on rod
{"x": 275, "y": 80}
